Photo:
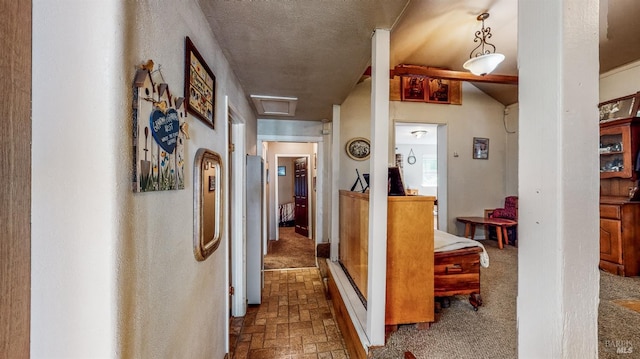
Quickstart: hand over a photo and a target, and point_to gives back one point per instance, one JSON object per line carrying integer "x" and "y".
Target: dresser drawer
{"x": 457, "y": 272}
{"x": 609, "y": 211}
{"x": 456, "y": 265}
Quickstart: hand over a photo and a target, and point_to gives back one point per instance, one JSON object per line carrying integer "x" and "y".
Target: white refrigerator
{"x": 254, "y": 223}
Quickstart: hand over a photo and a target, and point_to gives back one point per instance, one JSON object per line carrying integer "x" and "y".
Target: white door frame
{"x": 442, "y": 166}
{"x": 319, "y": 209}
{"x": 238, "y": 249}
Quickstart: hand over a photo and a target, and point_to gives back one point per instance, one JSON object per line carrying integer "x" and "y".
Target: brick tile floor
{"x": 294, "y": 321}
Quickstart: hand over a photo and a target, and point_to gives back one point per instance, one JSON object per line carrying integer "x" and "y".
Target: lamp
{"x": 483, "y": 61}
{"x": 419, "y": 133}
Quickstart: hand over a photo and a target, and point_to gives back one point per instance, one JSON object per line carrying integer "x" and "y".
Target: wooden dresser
{"x": 410, "y": 269}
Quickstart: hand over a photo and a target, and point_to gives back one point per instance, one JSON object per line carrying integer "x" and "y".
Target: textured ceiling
{"x": 313, "y": 50}
{"x": 317, "y": 50}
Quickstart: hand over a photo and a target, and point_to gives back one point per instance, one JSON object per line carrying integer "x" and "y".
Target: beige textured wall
{"x": 285, "y": 183}
{"x": 473, "y": 185}
{"x": 179, "y": 305}
{"x": 620, "y": 82}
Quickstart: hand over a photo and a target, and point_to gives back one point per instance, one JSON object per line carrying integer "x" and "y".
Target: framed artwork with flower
{"x": 358, "y": 148}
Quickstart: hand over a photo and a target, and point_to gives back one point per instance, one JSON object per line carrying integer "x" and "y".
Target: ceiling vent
{"x": 274, "y": 105}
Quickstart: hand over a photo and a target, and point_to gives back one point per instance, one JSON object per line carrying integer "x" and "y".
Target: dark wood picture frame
{"x": 282, "y": 170}
{"x": 439, "y": 90}
{"x": 413, "y": 88}
{"x": 199, "y": 85}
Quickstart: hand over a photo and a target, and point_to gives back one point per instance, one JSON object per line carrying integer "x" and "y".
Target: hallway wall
{"x": 620, "y": 82}
{"x": 285, "y": 183}
{"x": 114, "y": 274}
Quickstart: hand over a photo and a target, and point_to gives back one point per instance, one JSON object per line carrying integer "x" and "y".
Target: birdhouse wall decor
{"x": 159, "y": 133}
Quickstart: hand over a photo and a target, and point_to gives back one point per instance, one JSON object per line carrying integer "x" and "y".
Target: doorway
{"x": 420, "y": 151}
{"x": 293, "y": 204}
{"x": 236, "y": 225}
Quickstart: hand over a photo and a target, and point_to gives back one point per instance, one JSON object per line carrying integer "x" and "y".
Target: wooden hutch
{"x": 619, "y": 196}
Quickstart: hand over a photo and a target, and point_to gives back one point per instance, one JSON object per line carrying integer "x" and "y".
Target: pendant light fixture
{"x": 419, "y": 133}
{"x": 482, "y": 60}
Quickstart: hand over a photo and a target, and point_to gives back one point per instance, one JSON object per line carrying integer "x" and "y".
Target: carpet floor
{"x": 618, "y": 324}
{"x": 460, "y": 332}
{"x": 292, "y": 250}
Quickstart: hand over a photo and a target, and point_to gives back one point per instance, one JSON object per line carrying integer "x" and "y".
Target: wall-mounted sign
{"x": 158, "y": 142}
{"x": 165, "y": 127}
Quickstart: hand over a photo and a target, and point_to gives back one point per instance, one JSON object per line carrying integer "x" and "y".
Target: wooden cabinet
{"x": 410, "y": 268}
{"x": 619, "y": 216}
{"x": 410, "y": 278}
{"x": 619, "y": 148}
{"x": 620, "y": 236}
{"x": 354, "y": 237}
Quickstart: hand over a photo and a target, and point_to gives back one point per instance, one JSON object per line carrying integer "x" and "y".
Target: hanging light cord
{"x": 504, "y": 120}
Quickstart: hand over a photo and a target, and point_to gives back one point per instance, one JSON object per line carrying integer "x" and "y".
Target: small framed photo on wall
{"x": 480, "y": 148}
{"x": 439, "y": 90}
{"x": 412, "y": 88}
{"x": 282, "y": 170}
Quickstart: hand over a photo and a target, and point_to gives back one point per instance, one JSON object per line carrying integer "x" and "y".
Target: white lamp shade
{"x": 482, "y": 65}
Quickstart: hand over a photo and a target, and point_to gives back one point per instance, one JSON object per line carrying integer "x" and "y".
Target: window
{"x": 429, "y": 171}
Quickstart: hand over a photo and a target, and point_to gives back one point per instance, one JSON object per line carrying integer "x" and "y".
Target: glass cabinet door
{"x": 615, "y": 152}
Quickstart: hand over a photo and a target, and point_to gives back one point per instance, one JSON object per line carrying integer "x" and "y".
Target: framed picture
{"x": 282, "y": 170}
{"x": 480, "y": 148}
{"x": 618, "y": 108}
{"x": 358, "y": 148}
{"x": 438, "y": 90}
{"x": 412, "y": 88}
{"x": 199, "y": 85}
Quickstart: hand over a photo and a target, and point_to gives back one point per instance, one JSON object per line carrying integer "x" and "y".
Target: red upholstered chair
{"x": 510, "y": 211}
